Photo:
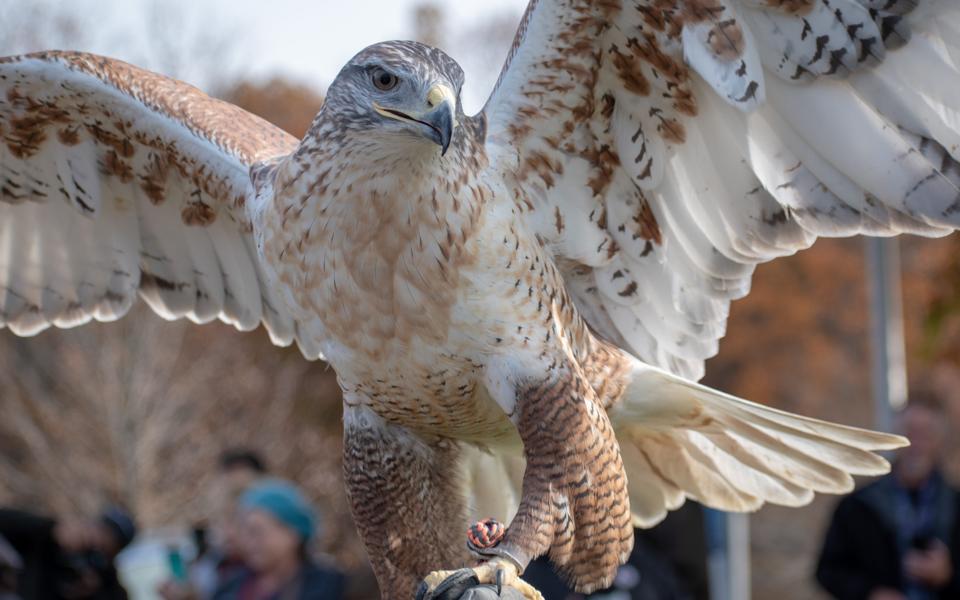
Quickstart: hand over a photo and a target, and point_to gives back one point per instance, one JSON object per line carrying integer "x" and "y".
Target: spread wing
{"x": 116, "y": 181}
{"x": 665, "y": 147}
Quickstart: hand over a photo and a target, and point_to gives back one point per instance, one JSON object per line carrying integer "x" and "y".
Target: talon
{"x": 447, "y": 585}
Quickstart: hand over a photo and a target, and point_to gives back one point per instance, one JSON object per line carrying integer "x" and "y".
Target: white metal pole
{"x": 889, "y": 373}
{"x": 738, "y": 527}
{"x": 728, "y": 554}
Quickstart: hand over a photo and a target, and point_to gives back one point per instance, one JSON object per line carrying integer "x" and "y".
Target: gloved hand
{"x": 489, "y": 592}
{"x": 463, "y": 585}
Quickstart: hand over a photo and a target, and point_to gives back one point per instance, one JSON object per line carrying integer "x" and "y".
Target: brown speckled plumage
{"x": 384, "y": 467}
{"x": 91, "y": 136}
{"x": 575, "y": 504}
{"x": 68, "y": 112}
{"x": 530, "y": 283}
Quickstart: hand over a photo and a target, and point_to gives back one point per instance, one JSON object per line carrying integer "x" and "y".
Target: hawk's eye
{"x": 384, "y": 80}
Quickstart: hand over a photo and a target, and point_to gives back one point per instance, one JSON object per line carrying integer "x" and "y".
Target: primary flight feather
{"x": 517, "y": 303}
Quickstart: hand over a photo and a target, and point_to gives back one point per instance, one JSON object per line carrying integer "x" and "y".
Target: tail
{"x": 680, "y": 439}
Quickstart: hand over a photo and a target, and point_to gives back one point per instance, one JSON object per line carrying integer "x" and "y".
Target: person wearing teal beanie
{"x": 277, "y": 524}
{"x": 285, "y": 502}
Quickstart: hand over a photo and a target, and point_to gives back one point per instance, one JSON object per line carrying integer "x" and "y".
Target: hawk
{"x": 517, "y": 303}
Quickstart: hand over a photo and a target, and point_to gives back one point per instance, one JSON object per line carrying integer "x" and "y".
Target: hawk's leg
{"x": 407, "y": 500}
{"x": 574, "y": 504}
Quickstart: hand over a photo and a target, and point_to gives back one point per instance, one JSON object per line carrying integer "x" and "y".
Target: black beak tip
{"x": 441, "y": 123}
{"x": 443, "y": 131}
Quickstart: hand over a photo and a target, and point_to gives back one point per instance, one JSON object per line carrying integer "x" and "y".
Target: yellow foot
{"x": 451, "y": 585}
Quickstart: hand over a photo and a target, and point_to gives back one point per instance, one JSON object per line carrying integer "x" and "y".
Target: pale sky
{"x": 308, "y": 40}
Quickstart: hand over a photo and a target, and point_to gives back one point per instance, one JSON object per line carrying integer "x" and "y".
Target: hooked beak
{"x": 438, "y": 121}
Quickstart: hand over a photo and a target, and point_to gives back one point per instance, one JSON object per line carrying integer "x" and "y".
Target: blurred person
{"x": 239, "y": 469}
{"x": 10, "y": 567}
{"x": 278, "y": 523}
{"x": 219, "y": 553}
{"x": 68, "y": 559}
{"x": 899, "y": 537}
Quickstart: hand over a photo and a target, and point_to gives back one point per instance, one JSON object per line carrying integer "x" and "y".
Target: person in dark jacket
{"x": 899, "y": 537}
{"x": 277, "y": 526}
{"x": 10, "y": 567}
{"x": 68, "y": 559}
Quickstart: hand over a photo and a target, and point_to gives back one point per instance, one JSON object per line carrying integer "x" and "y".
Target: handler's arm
{"x": 838, "y": 569}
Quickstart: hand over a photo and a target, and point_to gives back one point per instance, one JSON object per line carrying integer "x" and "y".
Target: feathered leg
{"x": 574, "y": 502}
{"x": 407, "y": 500}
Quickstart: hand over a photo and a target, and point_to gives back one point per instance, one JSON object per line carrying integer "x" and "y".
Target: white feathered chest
{"x": 410, "y": 278}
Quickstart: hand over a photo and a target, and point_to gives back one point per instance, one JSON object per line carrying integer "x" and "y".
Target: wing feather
{"x": 718, "y": 134}
{"x": 715, "y": 135}
{"x": 116, "y": 181}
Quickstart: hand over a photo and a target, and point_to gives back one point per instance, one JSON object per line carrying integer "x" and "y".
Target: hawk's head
{"x": 399, "y": 91}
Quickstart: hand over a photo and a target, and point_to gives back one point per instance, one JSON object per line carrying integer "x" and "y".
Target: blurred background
{"x": 137, "y": 412}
